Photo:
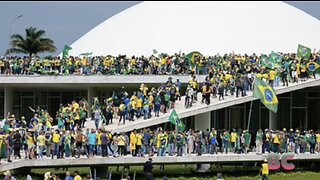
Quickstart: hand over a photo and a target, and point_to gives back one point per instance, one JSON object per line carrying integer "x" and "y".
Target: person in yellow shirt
{"x": 272, "y": 77}
{"x": 233, "y": 139}
{"x": 139, "y": 144}
{"x": 31, "y": 144}
{"x": 158, "y": 138}
{"x": 56, "y": 144}
{"x": 122, "y": 112}
{"x": 276, "y": 142}
{"x": 121, "y": 144}
{"x": 41, "y": 141}
{"x": 139, "y": 107}
{"x": 75, "y": 106}
{"x": 264, "y": 170}
{"x": 133, "y": 142}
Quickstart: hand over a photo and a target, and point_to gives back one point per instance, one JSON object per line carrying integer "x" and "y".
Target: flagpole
{"x": 165, "y": 126}
{"x": 250, "y": 112}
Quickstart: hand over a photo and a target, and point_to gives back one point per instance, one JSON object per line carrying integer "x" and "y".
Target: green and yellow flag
{"x": 191, "y": 57}
{"x": 65, "y": 51}
{"x": 265, "y": 61}
{"x": 266, "y": 94}
{"x": 174, "y": 119}
{"x": 275, "y": 59}
{"x": 303, "y": 52}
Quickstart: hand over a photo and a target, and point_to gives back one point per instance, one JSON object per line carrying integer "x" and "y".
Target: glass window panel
{"x": 254, "y": 122}
{"x": 237, "y": 117}
{"x": 57, "y": 94}
{"x": 67, "y": 97}
{"x": 27, "y": 93}
{"x": 284, "y": 95}
{"x": 16, "y": 98}
{"x": 1, "y": 107}
{"x": 222, "y": 119}
{"x": 299, "y": 99}
{"x": 16, "y": 112}
{"x": 53, "y": 106}
{"x": 283, "y": 115}
{"x": 313, "y": 94}
{"x": 25, "y": 111}
{"x": 41, "y": 98}
{"x": 264, "y": 117}
{"x": 299, "y": 118}
{"x": 314, "y": 114}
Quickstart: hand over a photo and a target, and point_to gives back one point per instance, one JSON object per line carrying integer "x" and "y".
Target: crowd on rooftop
{"x": 228, "y": 75}
{"x": 178, "y": 63}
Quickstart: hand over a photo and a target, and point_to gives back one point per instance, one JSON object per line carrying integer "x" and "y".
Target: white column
{"x": 91, "y": 93}
{"x": 202, "y": 121}
{"x": 8, "y": 100}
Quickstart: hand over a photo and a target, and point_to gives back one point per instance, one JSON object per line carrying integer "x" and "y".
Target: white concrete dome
{"x": 207, "y": 27}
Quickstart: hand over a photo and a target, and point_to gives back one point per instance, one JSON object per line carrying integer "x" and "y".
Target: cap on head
{"x": 265, "y": 160}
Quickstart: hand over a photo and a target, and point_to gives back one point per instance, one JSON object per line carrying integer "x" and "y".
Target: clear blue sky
{"x": 65, "y": 22}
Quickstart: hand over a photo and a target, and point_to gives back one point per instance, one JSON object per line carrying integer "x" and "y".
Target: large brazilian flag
{"x": 303, "y": 52}
{"x": 275, "y": 59}
{"x": 265, "y": 61}
{"x": 174, "y": 119}
{"x": 266, "y": 94}
{"x": 191, "y": 57}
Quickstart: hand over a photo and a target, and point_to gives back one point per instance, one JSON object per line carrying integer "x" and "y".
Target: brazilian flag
{"x": 191, "y": 57}
{"x": 313, "y": 67}
{"x": 266, "y": 94}
{"x": 265, "y": 61}
{"x": 303, "y": 52}
{"x": 275, "y": 59}
{"x": 174, "y": 119}
{"x": 65, "y": 51}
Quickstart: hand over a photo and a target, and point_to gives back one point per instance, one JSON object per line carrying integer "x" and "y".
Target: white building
{"x": 208, "y": 27}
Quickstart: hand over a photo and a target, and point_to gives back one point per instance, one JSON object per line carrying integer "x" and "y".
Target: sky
{"x": 65, "y": 22}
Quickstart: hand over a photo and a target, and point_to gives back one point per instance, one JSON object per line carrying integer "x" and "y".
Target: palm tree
{"x": 34, "y": 43}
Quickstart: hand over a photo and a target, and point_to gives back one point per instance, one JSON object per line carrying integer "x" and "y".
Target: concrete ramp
{"x": 199, "y": 108}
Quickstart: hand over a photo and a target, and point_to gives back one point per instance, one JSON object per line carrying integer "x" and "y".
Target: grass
{"x": 181, "y": 172}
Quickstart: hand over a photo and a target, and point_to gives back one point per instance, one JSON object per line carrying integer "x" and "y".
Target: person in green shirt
{"x": 226, "y": 139}
{"x": 247, "y": 140}
{"x": 67, "y": 144}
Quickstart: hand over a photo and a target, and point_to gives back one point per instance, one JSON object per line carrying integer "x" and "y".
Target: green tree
{"x": 35, "y": 42}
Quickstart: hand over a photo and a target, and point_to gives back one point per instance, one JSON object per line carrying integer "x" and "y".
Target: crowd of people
{"x": 227, "y": 75}
{"x": 178, "y": 63}
{"x": 158, "y": 142}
